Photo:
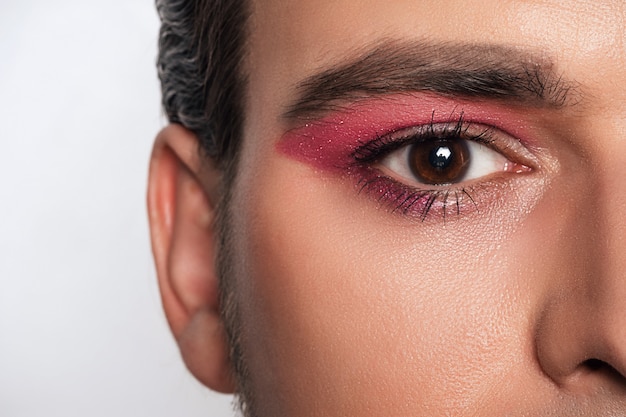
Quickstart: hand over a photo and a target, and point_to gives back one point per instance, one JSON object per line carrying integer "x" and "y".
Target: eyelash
{"x": 410, "y": 200}
{"x": 453, "y": 130}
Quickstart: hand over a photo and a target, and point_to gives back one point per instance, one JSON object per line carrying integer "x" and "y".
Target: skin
{"x": 346, "y": 308}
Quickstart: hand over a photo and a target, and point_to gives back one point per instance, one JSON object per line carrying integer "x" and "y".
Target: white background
{"x": 81, "y": 327}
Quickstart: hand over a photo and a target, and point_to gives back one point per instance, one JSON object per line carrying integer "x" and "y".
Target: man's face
{"x": 437, "y": 228}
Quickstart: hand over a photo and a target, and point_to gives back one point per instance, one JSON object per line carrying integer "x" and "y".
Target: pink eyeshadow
{"x": 328, "y": 143}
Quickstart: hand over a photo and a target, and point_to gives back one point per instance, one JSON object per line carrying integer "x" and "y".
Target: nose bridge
{"x": 610, "y": 166}
{"x": 566, "y": 333}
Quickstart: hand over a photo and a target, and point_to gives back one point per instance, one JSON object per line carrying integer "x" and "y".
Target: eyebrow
{"x": 493, "y": 72}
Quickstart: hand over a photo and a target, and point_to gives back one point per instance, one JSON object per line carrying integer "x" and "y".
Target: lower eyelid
{"x": 422, "y": 204}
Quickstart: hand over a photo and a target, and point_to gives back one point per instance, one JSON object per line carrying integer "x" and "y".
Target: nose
{"x": 580, "y": 327}
{"x": 580, "y": 331}
{"x": 582, "y": 348}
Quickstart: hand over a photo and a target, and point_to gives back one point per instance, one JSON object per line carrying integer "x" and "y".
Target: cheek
{"x": 349, "y": 308}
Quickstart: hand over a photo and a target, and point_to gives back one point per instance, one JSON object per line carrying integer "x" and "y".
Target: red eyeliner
{"x": 328, "y": 143}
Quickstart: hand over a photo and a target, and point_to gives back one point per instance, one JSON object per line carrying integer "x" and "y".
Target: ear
{"x": 182, "y": 191}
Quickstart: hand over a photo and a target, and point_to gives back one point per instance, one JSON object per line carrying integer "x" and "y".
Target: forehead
{"x": 291, "y": 39}
{"x": 293, "y": 25}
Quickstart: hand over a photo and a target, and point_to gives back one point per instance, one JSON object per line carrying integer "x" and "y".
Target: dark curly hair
{"x": 202, "y": 48}
{"x": 201, "y": 53}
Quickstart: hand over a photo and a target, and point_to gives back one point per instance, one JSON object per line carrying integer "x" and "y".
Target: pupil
{"x": 441, "y": 157}
{"x": 439, "y": 162}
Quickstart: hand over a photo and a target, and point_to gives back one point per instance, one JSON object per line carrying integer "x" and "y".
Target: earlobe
{"x": 181, "y": 201}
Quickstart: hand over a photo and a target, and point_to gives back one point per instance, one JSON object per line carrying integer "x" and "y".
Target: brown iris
{"x": 439, "y": 161}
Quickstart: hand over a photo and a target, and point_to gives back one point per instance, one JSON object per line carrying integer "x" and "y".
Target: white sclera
{"x": 482, "y": 162}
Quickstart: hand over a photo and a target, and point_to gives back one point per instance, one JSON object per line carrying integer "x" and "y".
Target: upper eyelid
{"x": 384, "y": 144}
{"x": 332, "y": 142}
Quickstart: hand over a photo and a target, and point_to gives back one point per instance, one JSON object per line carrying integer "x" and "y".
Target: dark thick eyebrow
{"x": 492, "y": 72}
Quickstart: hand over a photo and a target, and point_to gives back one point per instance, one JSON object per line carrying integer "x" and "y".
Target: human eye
{"x": 437, "y": 165}
{"x": 444, "y": 158}
{"x": 421, "y": 156}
